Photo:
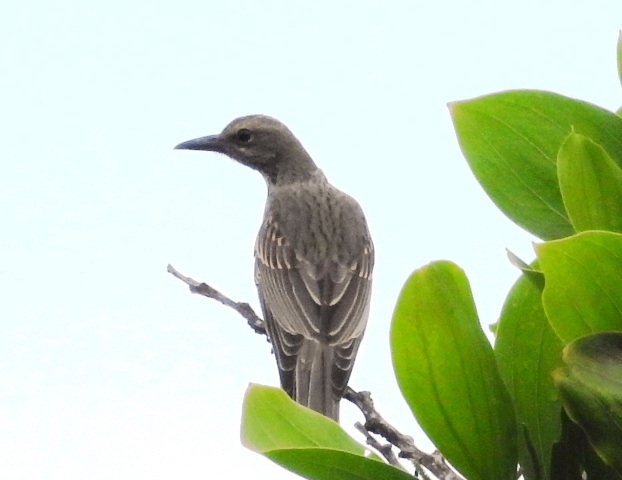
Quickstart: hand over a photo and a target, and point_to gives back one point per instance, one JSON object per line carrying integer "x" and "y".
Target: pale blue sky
{"x": 109, "y": 368}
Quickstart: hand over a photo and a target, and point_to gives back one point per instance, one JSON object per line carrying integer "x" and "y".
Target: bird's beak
{"x": 211, "y": 143}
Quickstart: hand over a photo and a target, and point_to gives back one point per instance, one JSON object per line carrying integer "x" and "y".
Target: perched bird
{"x": 313, "y": 261}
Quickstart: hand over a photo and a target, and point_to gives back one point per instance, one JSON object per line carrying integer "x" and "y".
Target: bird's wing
{"x": 286, "y": 346}
{"x": 328, "y": 302}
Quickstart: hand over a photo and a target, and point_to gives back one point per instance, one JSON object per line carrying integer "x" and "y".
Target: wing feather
{"x": 301, "y": 300}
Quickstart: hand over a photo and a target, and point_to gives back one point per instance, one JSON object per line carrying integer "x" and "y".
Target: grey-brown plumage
{"x": 313, "y": 261}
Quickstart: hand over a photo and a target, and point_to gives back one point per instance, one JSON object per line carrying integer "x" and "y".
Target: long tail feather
{"x": 314, "y": 387}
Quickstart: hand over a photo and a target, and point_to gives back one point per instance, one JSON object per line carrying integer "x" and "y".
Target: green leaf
{"x": 527, "y": 351}
{"x": 591, "y": 185}
{"x": 583, "y": 276}
{"x": 331, "y": 464}
{"x": 519, "y": 262}
{"x": 271, "y": 420}
{"x": 447, "y": 373}
{"x": 511, "y": 140}
{"x": 569, "y": 452}
{"x": 574, "y": 458}
{"x": 597, "y": 469}
{"x": 591, "y": 391}
{"x": 530, "y": 271}
{"x": 620, "y": 56}
{"x": 304, "y": 441}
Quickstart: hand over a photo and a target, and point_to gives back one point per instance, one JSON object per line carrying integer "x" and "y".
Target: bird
{"x": 314, "y": 258}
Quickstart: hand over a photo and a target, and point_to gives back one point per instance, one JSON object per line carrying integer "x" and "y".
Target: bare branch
{"x": 374, "y": 423}
{"x": 244, "y": 309}
{"x": 385, "y": 450}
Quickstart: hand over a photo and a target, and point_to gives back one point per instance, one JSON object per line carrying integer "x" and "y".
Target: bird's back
{"x": 314, "y": 259}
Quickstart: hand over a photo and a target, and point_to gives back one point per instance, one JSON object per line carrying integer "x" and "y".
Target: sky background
{"x": 109, "y": 368}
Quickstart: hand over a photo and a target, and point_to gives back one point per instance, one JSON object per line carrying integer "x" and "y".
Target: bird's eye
{"x": 244, "y": 135}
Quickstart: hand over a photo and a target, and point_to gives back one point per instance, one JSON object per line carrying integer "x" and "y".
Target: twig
{"x": 374, "y": 423}
{"x": 244, "y": 309}
{"x": 385, "y": 450}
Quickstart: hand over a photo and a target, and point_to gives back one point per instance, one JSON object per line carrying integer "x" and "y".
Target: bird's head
{"x": 260, "y": 142}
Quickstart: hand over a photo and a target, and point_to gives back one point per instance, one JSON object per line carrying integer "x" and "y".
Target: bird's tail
{"x": 314, "y": 387}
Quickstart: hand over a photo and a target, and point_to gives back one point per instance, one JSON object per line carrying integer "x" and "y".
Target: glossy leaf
{"x": 527, "y": 351}
{"x": 511, "y": 140}
{"x": 591, "y": 391}
{"x": 591, "y": 185}
{"x": 305, "y": 441}
{"x": 324, "y": 464}
{"x": 583, "y": 275}
{"x": 447, "y": 373}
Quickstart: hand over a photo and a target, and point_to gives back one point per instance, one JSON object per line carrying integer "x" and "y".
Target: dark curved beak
{"x": 211, "y": 143}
